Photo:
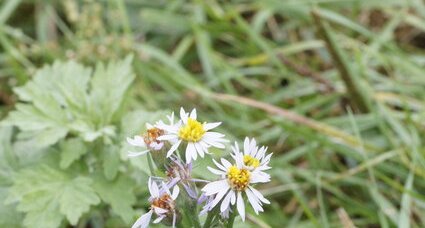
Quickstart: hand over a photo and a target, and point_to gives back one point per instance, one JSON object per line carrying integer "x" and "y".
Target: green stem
{"x": 209, "y": 219}
{"x": 151, "y": 169}
{"x": 231, "y": 219}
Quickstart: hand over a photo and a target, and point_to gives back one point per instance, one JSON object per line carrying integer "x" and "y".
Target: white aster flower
{"x": 162, "y": 205}
{"x": 149, "y": 140}
{"x": 252, "y": 157}
{"x": 195, "y": 134}
{"x": 235, "y": 180}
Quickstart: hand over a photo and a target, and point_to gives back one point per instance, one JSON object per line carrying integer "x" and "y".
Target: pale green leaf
{"x": 66, "y": 97}
{"x": 76, "y": 199}
{"x": 111, "y": 161}
{"x": 71, "y": 150}
{"x": 108, "y": 85}
{"x": 48, "y": 195}
{"x": 119, "y": 194}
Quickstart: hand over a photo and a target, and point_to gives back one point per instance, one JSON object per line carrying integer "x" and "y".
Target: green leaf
{"x": 109, "y": 85}
{"x": 7, "y": 159}
{"x": 71, "y": 150}
{"x": 65, "y": 97}
{"x": 119, "y": 194}
{"x": 77, "y": 198}
{"x": 47, "y": 195}
{"x": 9, "y": 217}
{"x": 111, "y": 161}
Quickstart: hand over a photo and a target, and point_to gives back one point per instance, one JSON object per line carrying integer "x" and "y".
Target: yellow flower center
{"x": 248, "y": 160}
{"x": 238, "y": 178}
{"x": 192, "y": 131}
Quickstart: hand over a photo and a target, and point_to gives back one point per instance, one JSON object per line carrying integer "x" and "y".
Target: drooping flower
{"x": 178, "y": 172}
{"x": 235, "y": 180}
{"x": 195, "y": 134}
{"x": 252, "y": 157}
{"x": 149, "y": 140}
{"x": 162, "y": 205}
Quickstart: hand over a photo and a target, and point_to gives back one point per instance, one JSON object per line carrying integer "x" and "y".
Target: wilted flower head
{"x": 194, "y": 133}
{"x": 162, "y": 205}
{"x": 235, "y": 180}
{"x": 179, "y": 172}
{"x": 149, "y": 139}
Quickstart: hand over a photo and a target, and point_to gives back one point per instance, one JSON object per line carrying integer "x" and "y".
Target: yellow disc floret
{"x": 192, "y": 131}
{"x": 238, "y": 178}
{"x": 248, "y": 160}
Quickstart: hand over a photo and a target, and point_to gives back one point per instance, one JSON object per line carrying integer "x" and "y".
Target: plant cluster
{"x": 174, "y": 147}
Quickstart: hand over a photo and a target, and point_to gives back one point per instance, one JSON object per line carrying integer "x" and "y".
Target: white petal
{"x": 233, "y": 199}
{"x": 216, "y": 171}
{"x": 159, "y": 219}
{"x": 220, "y": 166}
{"x": 199, "y": 149}
{"x": 167, "y": 137}
{"x": 135, "y": 154}
{"x": 226, "y": 201}
{"x": 173, "y": 148}
{"x": 226, "y": 163}
{"x": 214, "y": 135}
{"x": 156, "y": 146}
{"x": 136, "y": 141}
{"x": 171, "y": 118}
{"x": 252, "y": 147}
{"x": 190, "y": 153}
{"x": 235, "y": 148}
{"x": 159, "y": 211}
{"x": 153, "y": 188}
{"x": 165, "y": 189}
{"x": 259, "y": 195}
{"x": 253, "y": 201}
{"x": 183, "y": 116}
{"x": 176, "y": 191}
{"x": 218, "y": 197}
{"x": 246, "y": 145}
{"x": 240, "y": 205}
{"x": 209, "y": 126}
{"x": 212, "y": 142}
{"x": 193, "y": 114}
{"x": 259, "y": 177}
{"x": 143, "y": 221}
{"x": 215, "y": 187}
{"x": 204, "y": 146}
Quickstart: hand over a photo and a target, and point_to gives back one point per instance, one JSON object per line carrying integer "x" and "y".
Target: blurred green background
{"x": 334, "y": 88}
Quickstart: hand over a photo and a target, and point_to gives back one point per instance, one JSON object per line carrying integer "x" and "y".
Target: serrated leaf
{"x": 9, "y": 217}
{"x": 47, "y": 195}
{"x": 7, "y": 159}
{"x": 111, "y": 161}
{"x": 119, "y": 194}
{"x": 65, "y": 97}
{"x": 108, "y": 85}
{"x": 77, "y": 198}
{"x": 71, "y": 150}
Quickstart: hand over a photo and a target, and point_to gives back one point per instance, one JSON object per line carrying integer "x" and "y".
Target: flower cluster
{"x": 167, "y": 145}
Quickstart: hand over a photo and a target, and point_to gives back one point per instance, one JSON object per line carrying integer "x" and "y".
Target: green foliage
{"x": 72, "y": 150}
{"x": 48, "y": 195}
{"x": 66, "y": 99}
{"x": 332, "y": 165}
{"x": 118, "y": 194}
{"x": 69, "y": 108}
